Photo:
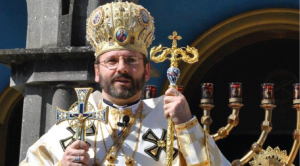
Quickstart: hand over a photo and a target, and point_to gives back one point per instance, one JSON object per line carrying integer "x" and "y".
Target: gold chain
{"x": 129, "y": 160}
{"x": 95, "y": 144}
{"x": 104, "y": 143}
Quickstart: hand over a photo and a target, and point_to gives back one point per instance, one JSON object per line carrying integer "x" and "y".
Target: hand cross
{"x": 81, "y": 114}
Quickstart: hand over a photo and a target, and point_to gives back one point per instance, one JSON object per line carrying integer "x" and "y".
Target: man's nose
{"x": 122, "y": 66}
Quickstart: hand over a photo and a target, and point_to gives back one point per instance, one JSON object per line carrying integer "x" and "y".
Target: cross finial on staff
{"x": 174, "y": 38}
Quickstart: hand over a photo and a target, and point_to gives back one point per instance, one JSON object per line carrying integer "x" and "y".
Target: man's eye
{"x": 112, "y": 61}
{"x": 131, "y": 60}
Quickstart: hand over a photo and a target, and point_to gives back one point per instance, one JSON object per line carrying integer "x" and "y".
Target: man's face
{"x": 126, "y": 80}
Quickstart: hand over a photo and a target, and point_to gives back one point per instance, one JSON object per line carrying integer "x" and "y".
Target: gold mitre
{"x": 120, "y": 26}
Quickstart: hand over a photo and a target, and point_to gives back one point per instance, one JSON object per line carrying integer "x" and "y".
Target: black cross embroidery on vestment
{"x": 159, "y": 144}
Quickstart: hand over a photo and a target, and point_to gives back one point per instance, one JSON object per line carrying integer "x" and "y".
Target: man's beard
{"x": 122, "y": 92}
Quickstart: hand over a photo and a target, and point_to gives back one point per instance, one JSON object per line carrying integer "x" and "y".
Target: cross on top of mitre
{"x": 174, "y": 37}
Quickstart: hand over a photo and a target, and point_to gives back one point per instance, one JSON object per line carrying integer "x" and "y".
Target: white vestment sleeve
{"x": 47, "y": 151}
{"x": 194, "y": 147}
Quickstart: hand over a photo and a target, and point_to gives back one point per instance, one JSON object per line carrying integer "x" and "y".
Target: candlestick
{"x": 235, "y": 92}
{"x": 267, "y": 93}
{"x": 207, "y": 90}
{"x": 296, "y": 134}
{"x": 150, "y": 91}
{"x": 206, "y": 101}
{"x": 296, "y": 95}
{"x": 235, "y": 103}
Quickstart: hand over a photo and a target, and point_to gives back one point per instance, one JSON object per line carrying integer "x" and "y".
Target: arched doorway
{"x": 11, "y": 104}
{"x": 13, "y": 136}
{"x": 252, "y": 48}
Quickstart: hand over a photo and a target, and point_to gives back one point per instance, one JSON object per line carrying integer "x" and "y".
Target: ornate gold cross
{"x": 81, "y": 114}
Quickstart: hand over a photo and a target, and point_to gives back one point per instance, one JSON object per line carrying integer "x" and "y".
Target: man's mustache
{"x": 125, "y": 75}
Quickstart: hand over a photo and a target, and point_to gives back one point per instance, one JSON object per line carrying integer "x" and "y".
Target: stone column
{"x": 39, "y": 110}
{"x": 31, "y": 118}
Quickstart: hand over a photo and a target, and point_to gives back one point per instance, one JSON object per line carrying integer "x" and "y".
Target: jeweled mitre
{"x": 120, "y": 26}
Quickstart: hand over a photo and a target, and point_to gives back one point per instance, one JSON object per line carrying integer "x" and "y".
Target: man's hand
{"x": 75, "y": 150}
{"x": 176, "y": 107}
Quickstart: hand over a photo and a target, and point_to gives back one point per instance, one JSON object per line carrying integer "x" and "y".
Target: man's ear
{"x": 97, "y": 73}
{"x": 147, "y": 72}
